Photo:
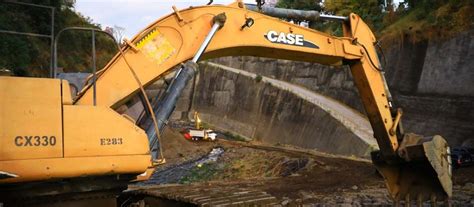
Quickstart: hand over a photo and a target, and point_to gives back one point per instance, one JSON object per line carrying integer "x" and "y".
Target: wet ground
{"x": 293, "y": 176}
{"x": 178, "y": 172}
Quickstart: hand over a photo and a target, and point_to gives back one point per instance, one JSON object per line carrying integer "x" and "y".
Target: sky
{"x": 135, "y": 15}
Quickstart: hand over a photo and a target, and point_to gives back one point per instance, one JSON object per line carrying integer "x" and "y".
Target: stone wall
{"x": 335, "y": 82}
{"x": 259, "y": 110}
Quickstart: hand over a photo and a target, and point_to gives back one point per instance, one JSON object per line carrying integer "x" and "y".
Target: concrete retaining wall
{"x": 273, "y": 113}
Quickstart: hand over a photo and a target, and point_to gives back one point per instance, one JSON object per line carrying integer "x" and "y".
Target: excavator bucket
{"x": 423, "y": 174}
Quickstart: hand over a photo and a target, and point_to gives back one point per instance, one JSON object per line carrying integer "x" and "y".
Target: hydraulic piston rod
{"x": 295, "y": 14}
{"x": 184, "y": 74}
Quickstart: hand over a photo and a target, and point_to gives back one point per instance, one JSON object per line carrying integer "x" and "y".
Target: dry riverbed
{"x": 293, "y": 176}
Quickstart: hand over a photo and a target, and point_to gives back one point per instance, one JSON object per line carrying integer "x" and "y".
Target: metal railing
{"x": 94, "y": 69}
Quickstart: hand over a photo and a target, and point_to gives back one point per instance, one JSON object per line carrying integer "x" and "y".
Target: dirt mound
{"x": 176, "y": 149}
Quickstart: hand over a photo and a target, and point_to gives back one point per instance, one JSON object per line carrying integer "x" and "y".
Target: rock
{"x": 354, "y": 187}
{"x": 356, "y": 203}
{"x": 463, "y": 197}
{"x": 468, "y": 186}
{"x": 285, "y": 202}
{"x": 380, "y": 201}
{"x": 347, "y": 200}
{"x": 305, "y": 195}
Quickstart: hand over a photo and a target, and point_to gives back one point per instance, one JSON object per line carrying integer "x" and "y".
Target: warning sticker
{"x": 156, "y": 47}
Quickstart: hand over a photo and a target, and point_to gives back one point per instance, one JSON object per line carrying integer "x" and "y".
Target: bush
{"x": 230, "y": 136}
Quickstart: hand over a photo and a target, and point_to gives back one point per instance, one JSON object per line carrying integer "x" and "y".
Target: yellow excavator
{"x": 57, "y": 149}
{"x": 197, "y": 121}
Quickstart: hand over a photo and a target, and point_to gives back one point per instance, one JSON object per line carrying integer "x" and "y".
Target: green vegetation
{"x": 300, "y": 4}
{"x": 235, "y": 137}
{"x": 30, "y": 56}
{"x": 414, "y": 19}
{"x": 371, "y": 11}
{"x": 433, "y": 19}
{"x": 258, "y": 78}
{"x": 202, "y": 172}
{"x": 205, "y": 125}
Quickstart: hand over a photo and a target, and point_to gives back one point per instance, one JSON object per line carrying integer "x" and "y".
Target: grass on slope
{"x": 420, "y": 24}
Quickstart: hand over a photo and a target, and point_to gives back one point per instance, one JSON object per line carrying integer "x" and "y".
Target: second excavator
{"x": 57, "y": 149}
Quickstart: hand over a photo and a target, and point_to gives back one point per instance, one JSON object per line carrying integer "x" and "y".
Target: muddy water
{"x": 174, "y": 174}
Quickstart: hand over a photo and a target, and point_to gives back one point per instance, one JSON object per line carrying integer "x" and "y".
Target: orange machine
{"x": 51, "y": 145}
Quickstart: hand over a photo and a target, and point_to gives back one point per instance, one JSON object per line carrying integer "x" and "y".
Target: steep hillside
{"x": 30, "y": 56}
{"x": 428, "y": 20}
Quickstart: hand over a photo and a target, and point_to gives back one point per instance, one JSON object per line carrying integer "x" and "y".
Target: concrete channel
{"x": 277, "y": 112}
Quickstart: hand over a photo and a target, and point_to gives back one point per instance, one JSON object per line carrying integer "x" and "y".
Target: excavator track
{"x": 95, "y": 191}
{"x": 177, "y": 195}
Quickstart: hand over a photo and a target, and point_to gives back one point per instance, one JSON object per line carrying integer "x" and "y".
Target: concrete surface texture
{"x": 277, "y": 112}
{"x": 432, "y": 81}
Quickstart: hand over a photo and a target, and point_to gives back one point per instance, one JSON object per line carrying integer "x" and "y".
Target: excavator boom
{"x": 412, "y": 165}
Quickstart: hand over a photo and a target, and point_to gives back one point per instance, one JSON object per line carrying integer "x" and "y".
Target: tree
{"x": 314, "y": 5}
{"x": 30, "y": 56}
{"x": 370, "y": 10}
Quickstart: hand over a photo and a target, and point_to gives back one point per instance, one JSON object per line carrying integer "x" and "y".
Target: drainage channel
{"x": 174, "y": 174}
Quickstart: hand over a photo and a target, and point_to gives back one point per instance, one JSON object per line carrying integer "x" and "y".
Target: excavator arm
{"x": 412, "y": 165}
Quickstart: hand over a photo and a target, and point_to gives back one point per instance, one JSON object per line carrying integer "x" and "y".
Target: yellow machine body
{"x": 44, "y": 137}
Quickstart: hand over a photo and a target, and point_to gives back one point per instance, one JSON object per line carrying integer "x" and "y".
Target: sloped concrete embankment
{"x": 433, "y": 81}
{"x": 277, "y": 112}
